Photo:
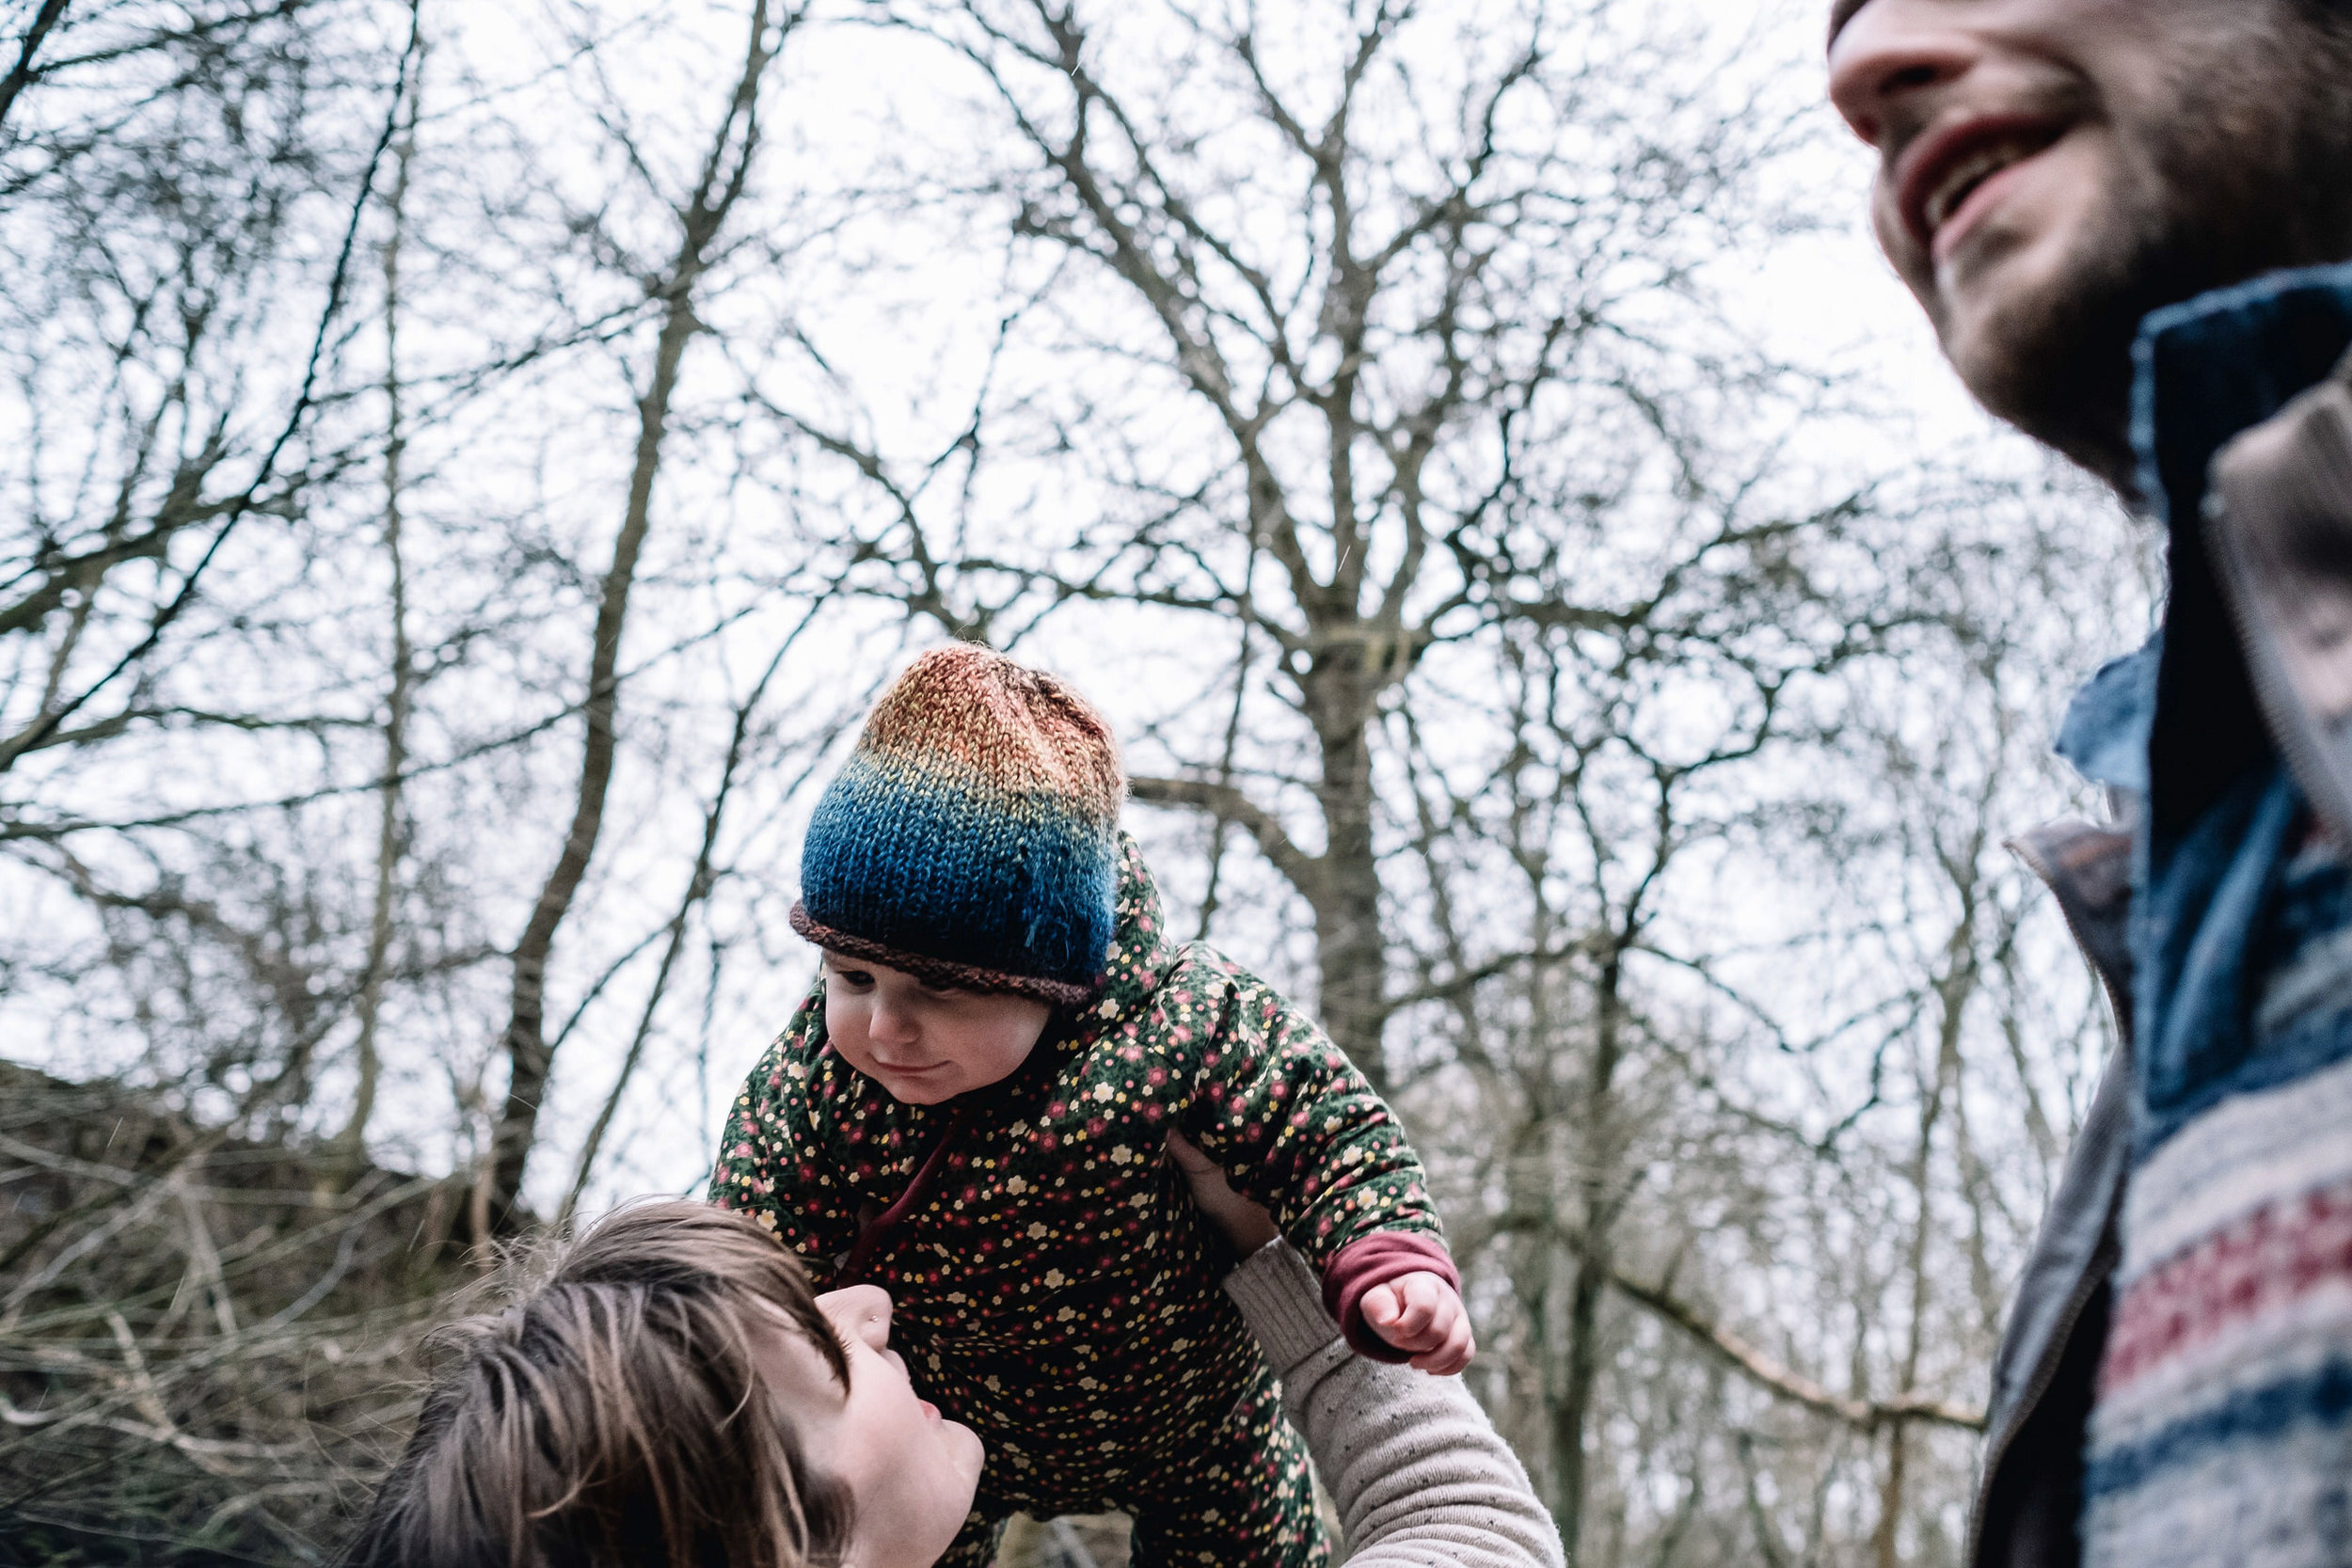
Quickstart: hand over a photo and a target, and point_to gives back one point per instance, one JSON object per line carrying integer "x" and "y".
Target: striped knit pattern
{"x": 973, "y": 837}
{"x": 2223, "y": 1427}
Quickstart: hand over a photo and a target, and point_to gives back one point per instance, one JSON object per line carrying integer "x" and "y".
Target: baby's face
{"x": 920, "y": 1042}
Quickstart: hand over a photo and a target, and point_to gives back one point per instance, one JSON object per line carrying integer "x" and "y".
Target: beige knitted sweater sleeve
{"x": 1420, "y": 1476}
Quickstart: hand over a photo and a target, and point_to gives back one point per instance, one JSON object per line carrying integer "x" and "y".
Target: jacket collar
{"x": 2223, "y": 362}
{"x": 2177, "y": 721}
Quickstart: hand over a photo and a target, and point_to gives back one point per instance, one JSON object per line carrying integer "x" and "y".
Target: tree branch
{"x": 1762, "y": 1370}
{"x": 21, "y": 73}
{"x": 1302, "y": 870}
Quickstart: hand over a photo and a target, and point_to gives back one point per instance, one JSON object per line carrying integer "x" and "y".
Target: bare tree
{"x": 1536, "y": 608}
{"x": 454, "y": 533}
{"x": 1383, "y": 302}
{"x": 1677, "y": 1099}
{"x": 400, "y": 697}
{"x": 210, "y": 246}
{"x": 702, "y": 221}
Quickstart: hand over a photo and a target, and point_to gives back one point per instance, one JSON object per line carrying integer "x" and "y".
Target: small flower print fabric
{"x": 1054, "y": 1286}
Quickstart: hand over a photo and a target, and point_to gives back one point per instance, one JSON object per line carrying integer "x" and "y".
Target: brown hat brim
{"x": 941, "y": 972}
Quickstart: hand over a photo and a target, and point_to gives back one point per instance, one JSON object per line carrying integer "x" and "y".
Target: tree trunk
{"x": 1572, "y": 1409}
{"x": 20, "y": 73}
{"x": 1953, "y": 990}
{"x": 1351, "y": 955}
{"x": 352, "y": 1141}
{"x": 529, "y": 1056}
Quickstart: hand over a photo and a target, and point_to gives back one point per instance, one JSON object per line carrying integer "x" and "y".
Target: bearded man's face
{"x": 2052, "y": 170}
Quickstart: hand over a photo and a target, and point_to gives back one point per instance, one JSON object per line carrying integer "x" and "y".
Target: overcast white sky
{"x": 1827, "y": 299}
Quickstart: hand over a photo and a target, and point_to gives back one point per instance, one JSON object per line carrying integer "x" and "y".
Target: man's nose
{"x": 1890, "y": 59}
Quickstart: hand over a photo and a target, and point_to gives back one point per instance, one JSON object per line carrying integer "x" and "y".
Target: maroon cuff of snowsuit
{"x": 1380, "y": 1258}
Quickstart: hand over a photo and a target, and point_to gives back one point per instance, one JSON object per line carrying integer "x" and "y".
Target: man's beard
{"x": 2244, "y": 168}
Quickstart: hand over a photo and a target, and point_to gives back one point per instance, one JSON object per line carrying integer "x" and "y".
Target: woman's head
{"x": 675, "y": 1393}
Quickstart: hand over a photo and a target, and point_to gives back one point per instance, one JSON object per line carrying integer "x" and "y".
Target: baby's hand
{"x": 1419, "y": 1314}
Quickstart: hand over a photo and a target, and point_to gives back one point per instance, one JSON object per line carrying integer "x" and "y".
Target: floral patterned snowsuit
{"x": 1054, "y": 1286}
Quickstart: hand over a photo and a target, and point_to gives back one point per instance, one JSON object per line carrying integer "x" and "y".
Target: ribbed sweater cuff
{"x": 1370, "y": 1262}
{"x": 1281, "y": 1300}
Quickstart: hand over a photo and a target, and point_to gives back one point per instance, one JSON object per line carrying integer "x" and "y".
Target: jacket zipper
{"x": 2102, "y": 1258}
{"x": 2119, "y": 1006}
{"x": 2102, "y": 1261}
{"x": 871, "y": 1234}
{"x": 2273, "y": 692}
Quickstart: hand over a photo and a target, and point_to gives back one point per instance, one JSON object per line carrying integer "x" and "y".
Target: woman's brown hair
{"x": 618, "y": 1415}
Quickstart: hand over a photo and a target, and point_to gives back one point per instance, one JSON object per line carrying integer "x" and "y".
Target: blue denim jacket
{"x": 2217, "y": 898}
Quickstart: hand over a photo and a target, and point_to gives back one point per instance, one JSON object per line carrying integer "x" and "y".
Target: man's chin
{"x": 2081, "y": 410}
{"x": 2054, "y": 359}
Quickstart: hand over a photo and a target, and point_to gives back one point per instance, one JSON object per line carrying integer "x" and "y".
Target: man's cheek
{"x": 1902, "y": 252}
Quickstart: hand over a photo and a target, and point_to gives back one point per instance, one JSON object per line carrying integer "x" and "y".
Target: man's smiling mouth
{"x": 1949, "y": 167}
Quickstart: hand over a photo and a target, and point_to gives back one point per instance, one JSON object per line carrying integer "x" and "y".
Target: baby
{"x": 970, "y": 1109}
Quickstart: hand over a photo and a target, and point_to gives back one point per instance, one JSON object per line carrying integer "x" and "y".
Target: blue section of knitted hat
{"x": 954, "y": 868}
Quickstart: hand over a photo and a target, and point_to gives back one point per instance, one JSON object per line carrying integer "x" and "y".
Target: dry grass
{"x": 208, "y": 1347}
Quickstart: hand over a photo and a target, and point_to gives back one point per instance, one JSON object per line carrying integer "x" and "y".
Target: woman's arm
{"x": 1418, "y": 1471}
{"x": 1295, "y": 1127}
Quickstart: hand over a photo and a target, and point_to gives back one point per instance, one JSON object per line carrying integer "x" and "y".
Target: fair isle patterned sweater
{"x": 2222, "y": 1432}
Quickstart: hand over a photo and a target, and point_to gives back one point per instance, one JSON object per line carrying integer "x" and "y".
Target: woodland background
{"x": 464, "y": 469}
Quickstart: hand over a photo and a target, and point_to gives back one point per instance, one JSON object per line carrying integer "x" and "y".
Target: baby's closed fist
{"x": 1419, "y": 1314}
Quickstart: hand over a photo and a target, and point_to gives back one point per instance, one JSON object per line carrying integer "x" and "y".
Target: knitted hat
{"x": 971, "y": 839}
